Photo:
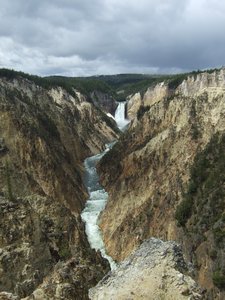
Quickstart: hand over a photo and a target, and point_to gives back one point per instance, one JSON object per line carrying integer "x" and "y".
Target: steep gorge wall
{"x": 104, "y": 101}
{"x": 147, "y": 173}
{"x": 44, "y": 137}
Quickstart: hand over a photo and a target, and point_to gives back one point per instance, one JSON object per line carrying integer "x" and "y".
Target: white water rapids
{"x": 97, "y": 195}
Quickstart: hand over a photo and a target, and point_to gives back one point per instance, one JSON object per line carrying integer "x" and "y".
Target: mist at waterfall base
{"x": 97, "y": 195}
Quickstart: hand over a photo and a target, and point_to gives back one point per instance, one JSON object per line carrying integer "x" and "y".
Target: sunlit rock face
{"x": 44, "y": 137}
{"x": 212, "y": 83}
{"x": 133, "y": 104}
{"x": 147, "y": 174}
{"x": 153, "y": 95}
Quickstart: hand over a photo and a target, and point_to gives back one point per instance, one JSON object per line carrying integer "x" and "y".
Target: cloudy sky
{"x": 90, "y": 37}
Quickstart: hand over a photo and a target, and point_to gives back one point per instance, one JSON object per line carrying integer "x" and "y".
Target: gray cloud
{"x": 75, "y": 37}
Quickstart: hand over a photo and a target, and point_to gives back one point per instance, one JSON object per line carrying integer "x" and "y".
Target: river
{"x": 97, "y": 195}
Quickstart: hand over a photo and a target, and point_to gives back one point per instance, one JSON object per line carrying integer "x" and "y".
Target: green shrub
{"x": 177, "y": 80}
{"x": 184, "y": 211}
{"x": 64, "y": 252}
{"x": 205, "y": 192}
{"x": 219, "y": 235}
{"x": 213, "y": 254}
{"x": 48, "y": 126}
{"x": 219, "y": 279}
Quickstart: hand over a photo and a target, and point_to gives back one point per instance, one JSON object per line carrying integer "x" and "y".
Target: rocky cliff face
{"x": 151, "y": 96}
{"x": 193, "y": 86}
{"x": 104, "y": 101}
{"x": 148, "y": 175}
{"x": 133, "y": 104}
{"x": 44, "y": 252}
{"x": 44, "y": 137}
{"x": 156, "y": 270}
{"x": 213, "y": 83}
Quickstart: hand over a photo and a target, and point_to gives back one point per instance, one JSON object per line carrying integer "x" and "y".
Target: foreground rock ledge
{"x": 155, "y": 271}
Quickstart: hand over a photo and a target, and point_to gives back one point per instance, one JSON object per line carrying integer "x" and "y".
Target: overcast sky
{"x": 91, "y": 37}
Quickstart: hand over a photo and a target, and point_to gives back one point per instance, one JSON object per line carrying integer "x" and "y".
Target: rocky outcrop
{"x": 104, "y": 101}
{"x": 156, "y": 270}
{"x": 212, "y": 83}
{"x": 147, "y": 174}
{"x": 71, "y": 279}
{"x": 39, "y": 235}
{"x": 153, "y": 95}
{"x": 156, "y": 94}
{"x": 8, "y": 296}
{"x": 133, "y": 104}
{"x": 192, "y": 86}
{"x": 44, "y": 137}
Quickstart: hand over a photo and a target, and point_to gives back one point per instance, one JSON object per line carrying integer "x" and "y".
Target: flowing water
{"x": 97, "y": 195}
{"x": 120, "y": 116}
{"x": 94, "y": 205}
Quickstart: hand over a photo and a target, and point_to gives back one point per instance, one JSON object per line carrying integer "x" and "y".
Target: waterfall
{"x": 94, "y": 205}
{"x": 120, "y": 116}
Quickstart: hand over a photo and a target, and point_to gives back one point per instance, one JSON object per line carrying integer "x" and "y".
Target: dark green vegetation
{"x": 205, "y": 193}
{"x": 119, "y": 86}
{"x": 202, "y": 211}
{"x": 127, "y": 84}
{"x": 184, "y": 211}
{"x": 219, "y": 279}
{"x": 84, "y": 85}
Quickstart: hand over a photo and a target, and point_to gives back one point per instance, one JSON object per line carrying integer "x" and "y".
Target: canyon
{"x": 163, "y": 177}
{"x": 45, "y": 134}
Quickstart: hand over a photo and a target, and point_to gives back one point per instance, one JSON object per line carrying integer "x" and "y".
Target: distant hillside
{"x": 84, "y": 85}
{"x": 118, "y": 86}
